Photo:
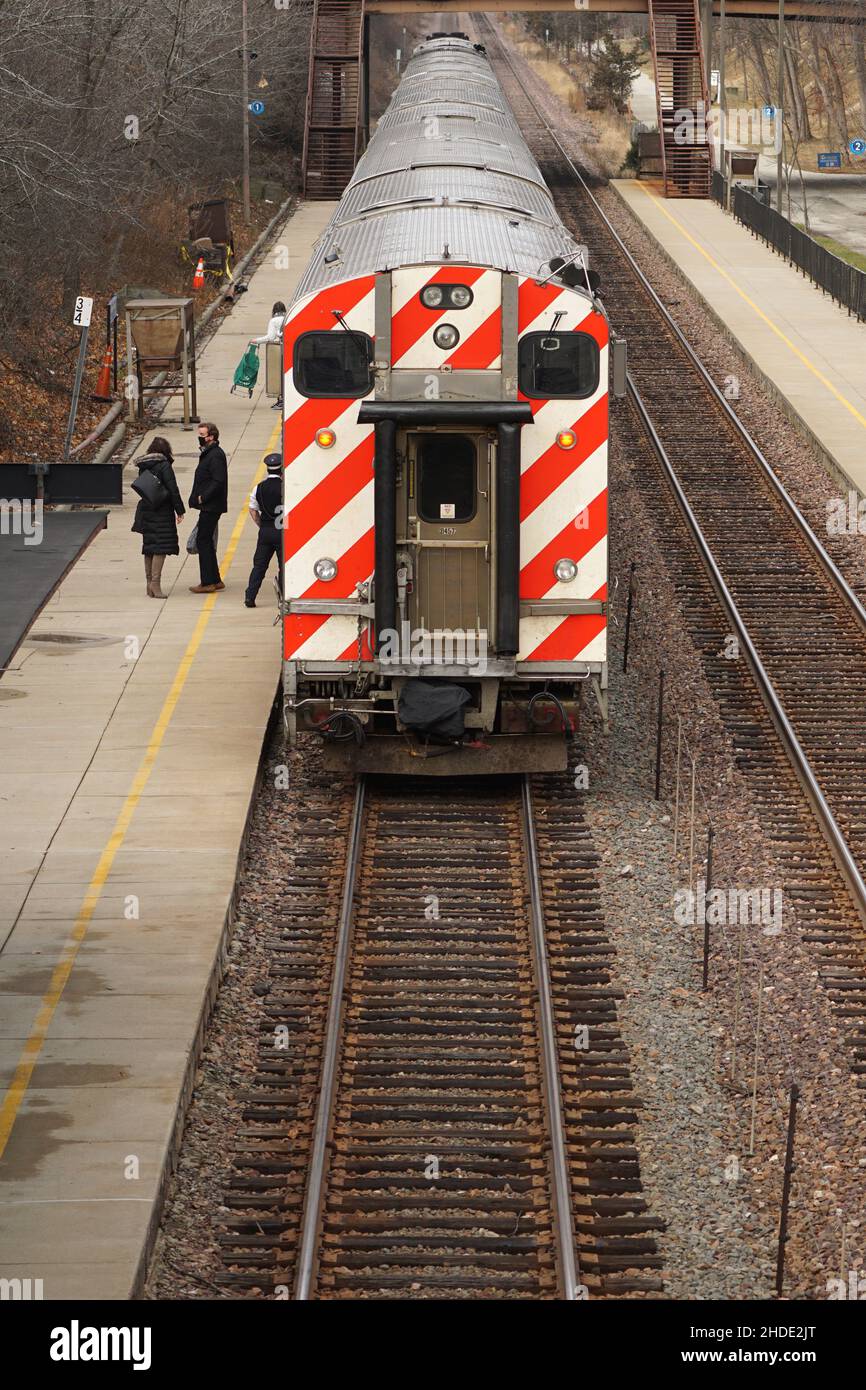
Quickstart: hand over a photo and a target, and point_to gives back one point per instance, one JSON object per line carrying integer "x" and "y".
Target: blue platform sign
{"x": 770, "y": 112}
{"x": 858, "y": 148}
{"x": 830, "y": 160}
{"x": 257, "y": 108}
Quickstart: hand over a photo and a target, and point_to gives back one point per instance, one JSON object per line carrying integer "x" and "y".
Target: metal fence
{"x": 836, "y": 277}
{"x": 718, "y": 187}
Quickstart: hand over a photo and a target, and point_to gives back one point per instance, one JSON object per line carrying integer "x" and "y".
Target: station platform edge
{"x": 130, "y": 744}
{"x": 807, "y": 349}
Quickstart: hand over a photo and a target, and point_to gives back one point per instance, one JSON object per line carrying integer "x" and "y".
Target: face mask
{"x": 202, "y": 443}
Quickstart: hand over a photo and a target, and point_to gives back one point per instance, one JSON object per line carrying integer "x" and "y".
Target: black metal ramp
{"x": 29, "y": 573}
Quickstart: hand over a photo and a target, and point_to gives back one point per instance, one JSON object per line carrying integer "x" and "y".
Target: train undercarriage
{"x": 398, "y": 722}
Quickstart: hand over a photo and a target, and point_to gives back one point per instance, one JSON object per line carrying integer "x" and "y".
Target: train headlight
{"x": 325, "y": 569}
{"x": 441, "y": 296}
{"x": 446, "y": 336}
{"x": 326, "y": 439}
{"x": 565, "y": 571}
{"x": 431, "y": 296}
{"x": 566, "y": 439}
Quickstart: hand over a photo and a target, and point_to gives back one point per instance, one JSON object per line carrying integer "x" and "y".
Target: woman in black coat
{"x": 156, "y": 524}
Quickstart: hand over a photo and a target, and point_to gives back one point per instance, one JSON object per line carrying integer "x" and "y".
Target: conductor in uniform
{"x": 266, "y": 512}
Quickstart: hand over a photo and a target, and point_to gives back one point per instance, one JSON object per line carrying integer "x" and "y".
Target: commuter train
{"x": 445, "y": 448}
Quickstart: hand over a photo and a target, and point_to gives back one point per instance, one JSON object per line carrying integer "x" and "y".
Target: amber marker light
{"x": 326, "y": 439}
{"x": 566, "y": 439}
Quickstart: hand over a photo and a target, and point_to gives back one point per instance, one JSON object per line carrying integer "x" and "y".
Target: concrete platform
{"x": 809, "y": 350}
{"x": 29, "y": 572}
{"x": 129, "y": 746}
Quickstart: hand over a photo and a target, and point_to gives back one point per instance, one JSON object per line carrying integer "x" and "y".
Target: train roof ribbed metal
{"x": 446, "y": 176}
{"x": 474, "y": 147}
{"x": 411, "y": 187}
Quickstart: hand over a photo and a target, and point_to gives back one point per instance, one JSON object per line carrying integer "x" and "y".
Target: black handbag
{"x": 148, "y": 486}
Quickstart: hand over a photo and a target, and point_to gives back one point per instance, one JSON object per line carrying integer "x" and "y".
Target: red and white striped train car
{"x": 445, "y": 447}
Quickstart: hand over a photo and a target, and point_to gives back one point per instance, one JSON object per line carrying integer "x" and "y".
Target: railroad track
{"x": 745, "y": 564}
{"x": 454, "y": 1117}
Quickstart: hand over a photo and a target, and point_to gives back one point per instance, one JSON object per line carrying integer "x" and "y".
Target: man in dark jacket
{"x": 266, "y": 510}
{"x": 210, "y": 497}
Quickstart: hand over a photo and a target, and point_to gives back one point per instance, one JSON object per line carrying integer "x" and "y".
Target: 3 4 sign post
{"x": 81, "y": 318}
{"x": 112, "y": 315}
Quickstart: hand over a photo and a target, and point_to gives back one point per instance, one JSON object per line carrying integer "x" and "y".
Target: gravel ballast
{"x": 720, "y": 1202}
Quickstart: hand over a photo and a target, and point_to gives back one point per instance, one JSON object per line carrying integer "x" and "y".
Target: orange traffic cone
{"x": 103, "y": 385}
{"x": 198, "y": 278}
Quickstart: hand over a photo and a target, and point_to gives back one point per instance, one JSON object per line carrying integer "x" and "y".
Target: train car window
{"x": 558, "y": 364}
{"x": 446, "y": 477}
{"x": 333, "y": 363}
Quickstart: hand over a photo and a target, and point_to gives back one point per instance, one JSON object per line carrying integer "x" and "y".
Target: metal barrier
{"x": 845, "y": 283}
{"x": 718, "y": 187}
{"x": 649, "y": 150}
{"x": 88, "y": 484}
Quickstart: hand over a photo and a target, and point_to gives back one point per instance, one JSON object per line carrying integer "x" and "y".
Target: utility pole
{"x": 245, "y": 89}
{"x": 81, "y": 319}
{"x": 780, "y": 108}
{"x": 723, "y": 102}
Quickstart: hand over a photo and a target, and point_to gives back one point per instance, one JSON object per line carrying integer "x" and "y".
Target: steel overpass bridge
{"x": 838, "y": 10}
{"x": 679, "y": 34}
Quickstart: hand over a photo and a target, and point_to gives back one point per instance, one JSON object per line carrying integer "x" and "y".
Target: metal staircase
{"x": 334, "y": 125}
{"x": 681, "y": 97}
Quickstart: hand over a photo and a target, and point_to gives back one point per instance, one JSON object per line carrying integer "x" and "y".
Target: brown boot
{"x": 157, "y": 562}
{"x": 148, "y": 569}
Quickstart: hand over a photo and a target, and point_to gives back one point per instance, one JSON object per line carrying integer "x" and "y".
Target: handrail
{"x": 159, "y": 380}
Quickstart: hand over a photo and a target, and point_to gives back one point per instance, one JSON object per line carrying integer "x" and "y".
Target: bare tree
{"x": 794, "y": 74}
{"x": 837, "y": 109}
{"x": 758, "y": 38}
{"x": 857, "y": 38}
{"x": 116, "y": 115}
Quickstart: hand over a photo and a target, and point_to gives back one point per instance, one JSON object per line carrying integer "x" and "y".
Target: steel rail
{"x": 569, "y": 1278}
{"x": 826, "y": 562}
{"x": 836, "y": 841}
{"x": 313, "y": 1195}
{"x": 562, "y": 1205}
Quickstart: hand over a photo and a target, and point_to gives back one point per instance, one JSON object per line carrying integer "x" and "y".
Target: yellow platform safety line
{"x": 858, "y": 416}
{"x": 62, "y": 971}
